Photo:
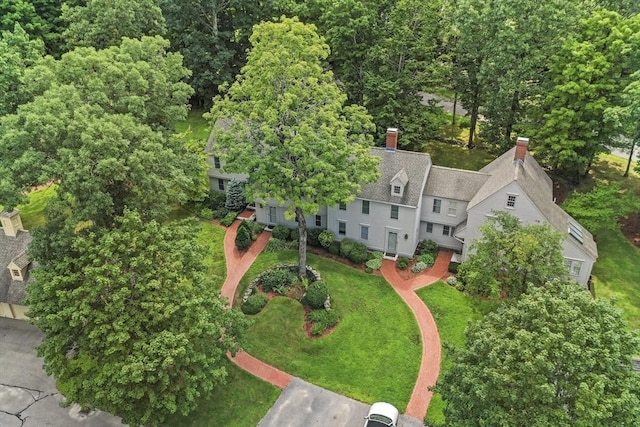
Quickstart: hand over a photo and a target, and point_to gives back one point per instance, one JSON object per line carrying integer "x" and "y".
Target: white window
{"x": 574, "y": 266}
{"x": 453, "y": 207}
{"x": 429, "y": 227}
{"x": 342, "y": 228}
{"x": 318, "y": 221}
{"x": 576, "y": 231}
{"x": 394, "y": 212}
{"x": 437, "y": 204}
{"x": 364, "y": 232}
{"x": 365, "y": 207}
{"x": 342, "y": 206}
{"x": 511, "y": 201}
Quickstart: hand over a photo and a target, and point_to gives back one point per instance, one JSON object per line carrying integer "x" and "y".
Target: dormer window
{"x": 16, "y": 274}
{"x": 398, "y": 183}
{"x": 397, "y": 190}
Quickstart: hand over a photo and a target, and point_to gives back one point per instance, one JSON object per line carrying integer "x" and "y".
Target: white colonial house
{"x": 415, "y": 200}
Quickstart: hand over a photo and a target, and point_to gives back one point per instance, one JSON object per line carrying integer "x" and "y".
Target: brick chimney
{"x": 392, "y": 139}
{"x": 11, "y": 222}
{"x": 522, "y": 145}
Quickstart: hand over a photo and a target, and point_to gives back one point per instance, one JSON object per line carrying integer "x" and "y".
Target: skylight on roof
{"x": 576, "y": 231}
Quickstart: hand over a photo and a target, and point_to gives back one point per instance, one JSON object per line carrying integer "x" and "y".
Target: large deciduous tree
{"x": 103, "y": 23}
{"x": 99, "y": 125}
{"x": 587, "y": 79}
{"x": 510, "y": 257}
{"x": 555, "y": 357}
{"x": 131, "y": 324}
{"x": 289, "y": 128}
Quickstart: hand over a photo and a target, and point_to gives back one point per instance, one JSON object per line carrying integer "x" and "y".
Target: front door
{"x": 392, "y": 243}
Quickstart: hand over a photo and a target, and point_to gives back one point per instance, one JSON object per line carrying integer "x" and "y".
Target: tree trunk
{"x": 302, "y": 244}
{"x": 512, "y": 118}
{"x": 633, "y": 147}
{"x": 455, "y": 103}
{"x": 474, "y": 116}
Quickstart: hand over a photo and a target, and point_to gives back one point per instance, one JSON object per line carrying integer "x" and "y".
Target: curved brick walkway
{"x": 238, "y": 263}
{"x": 430, "y": 363}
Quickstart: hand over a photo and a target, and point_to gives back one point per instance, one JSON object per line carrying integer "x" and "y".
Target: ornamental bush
{"x": 334, "y": 248}
{"x": 322, "y": 320}
{"x": 453, "y": 267}
{"x": 316, "y": 295}
{"x": 452, "y": 281}
{"x": 419, "y": 267}
{"x": 403, "y": 263}
{"x": 254, "y": 304}
{"x": 427, "y": 258}
{"x": 276, "y": 245}
{"x": 427, "y": 247}
{"x": 277, "y": 279}
{"x": 243, "y": 238}
{"x": 374, "y": 264}
{"x": 354, "y": 251}
{"x": 280, "y": 232}
{"x": 228, "y": 219}
{"x": 220, "y": 213}
{"x": 235, "y": 200}
{"x": 326, "y": 238}
{"x": 313, "y": 236}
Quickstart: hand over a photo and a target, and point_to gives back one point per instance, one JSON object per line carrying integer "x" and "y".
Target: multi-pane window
{"x": 397, "y": 189}
{"x": 364, "y": 232}
{"x": 453, "y": 207}
{"x": 437, "y": 205}
{"x": 318, "y": 221}
{"x": 574, "y": 266}
{"x": 511, "y": 201}
{"x": 394, "y": 212}
{"x": 445, "y": 230}
{"x": 342, "y": 228}
{"x": 216, "y": 162}
{"x": 429, "y": 227}
{"x": 365, "y": 207}
{"x": 16, "y": 273}
{"x": 342, "y": 206}
{"x": 221, "y": 184}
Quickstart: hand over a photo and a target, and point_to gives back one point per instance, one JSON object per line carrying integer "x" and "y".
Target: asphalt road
{"x": 305, "y": 405}
{"x": 28, "y": 396}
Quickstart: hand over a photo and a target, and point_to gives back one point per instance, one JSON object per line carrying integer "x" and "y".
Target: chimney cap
{"x": 522, "y": 140}
{"x": 392, "y": 130}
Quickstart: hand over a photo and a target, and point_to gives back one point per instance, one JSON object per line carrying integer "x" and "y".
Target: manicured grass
{"x": 452, "y": 311}
{"x": 195, "y": 127}
{"x": 457, "y": 156}
{"x": 616, "y": 274}
{"x": 373, "y": 354}
{"x": 32, "y": 211}
{"x": 242, "y": 402}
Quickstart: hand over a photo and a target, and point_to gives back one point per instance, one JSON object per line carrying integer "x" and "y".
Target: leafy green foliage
{"x": 426, "y": 258}
{"x": 277, "y": 278}
{"x": 282, "y": 110}
{"x": 229, "y": 218}
{"x": 322, "y": 320}
{"x": 510, "y": 256}
{"x": 316, "y": 295}
{"x": 255, "y": 303}
{"x": 313, "y": 236}
{"x": 276, "y": 245}
{"x": 601, "y": 207}
{"x": 103, "y": 23}
{"x": 131, "y": 294}
{"x": 403, "y": 263}
{"x": 280, "y": 232}
{"x": 427, "y": 247}
{"x": 374, "y": 264}
{"x": 419, "y": 266}
{"x": 243, "y": 237}
{"x": 326, "y": 238}
{"x": 356, "y": 252}
{"x": 553, "y": 357}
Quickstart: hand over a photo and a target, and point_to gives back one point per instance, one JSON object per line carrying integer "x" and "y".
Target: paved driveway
{"x": 305, "y": 405}
{"x": 28, "y": 397}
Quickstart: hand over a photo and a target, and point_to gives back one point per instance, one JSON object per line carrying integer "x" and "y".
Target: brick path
{"x": 239, "y": 262}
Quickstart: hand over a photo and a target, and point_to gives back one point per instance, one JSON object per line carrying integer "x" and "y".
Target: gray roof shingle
{"x": 11, "y": 248}
{"x": 454, "y": 184}
{"x": 416, "y": 167}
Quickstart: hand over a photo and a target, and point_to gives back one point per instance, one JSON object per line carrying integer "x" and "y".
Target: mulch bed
{"x": 630, "y": 227}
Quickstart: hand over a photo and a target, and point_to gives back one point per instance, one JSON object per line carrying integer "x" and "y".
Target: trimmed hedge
{"x": 327, "y": 238}
{"x": 280, "y": 232}
{"x": 453, "y": 267}
{"x": 294, "y": 235}
{"x": 334, "y": 248}
{"x": 354, "y": 251}
{"x": 228, "y": 219}
{"x": 254, "y": 304}
{"x": 403, "y": 263}
{"x": 313, "y": 237}
{"x": 316, "y": 295}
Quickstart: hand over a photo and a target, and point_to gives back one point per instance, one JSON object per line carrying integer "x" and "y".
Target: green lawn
{"x": 195, "y": 127}
{"x": 242, "y": 402}
{"x": 32, "y": 211}
{"x": 211, "y": 238}
{"x": 457, "y": 156}
{"x": 373, "y": 354}
{"x": 452, "y": 311}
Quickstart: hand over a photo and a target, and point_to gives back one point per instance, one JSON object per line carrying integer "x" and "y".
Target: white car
{"x": 382, "y": 414}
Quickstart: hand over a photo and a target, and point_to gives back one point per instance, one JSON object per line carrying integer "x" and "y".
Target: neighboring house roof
{"x": 416, "y": 167}
{"x": 216, "y": 172}
{"x": 12, "y": 249}
{"x": 538, "y": 187}
{"x": 454, "y": 184}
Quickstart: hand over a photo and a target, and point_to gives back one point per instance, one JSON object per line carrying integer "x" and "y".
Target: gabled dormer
{"x": 18, "y": 267}
{"x": 399, "y": 182}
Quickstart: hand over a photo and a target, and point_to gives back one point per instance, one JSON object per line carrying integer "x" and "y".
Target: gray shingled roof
{"x": 22, "y": 260}
{"x": 538, "y": 187}
{"x": 416, "y": 166}
{"x": 12, "y": 291}
{"x": 454, "y": 184}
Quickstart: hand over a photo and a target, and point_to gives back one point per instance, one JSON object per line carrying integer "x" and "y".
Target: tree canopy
{"x": 509, "y": 257}
{"x": 132, "y": 326}
{"x": 288, "y": 126}
{"x": 554, "y": 357}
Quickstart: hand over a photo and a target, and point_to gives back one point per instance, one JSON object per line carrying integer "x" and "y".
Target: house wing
{"x": 456, "y": 184}
{"x": 12, "y": 251}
